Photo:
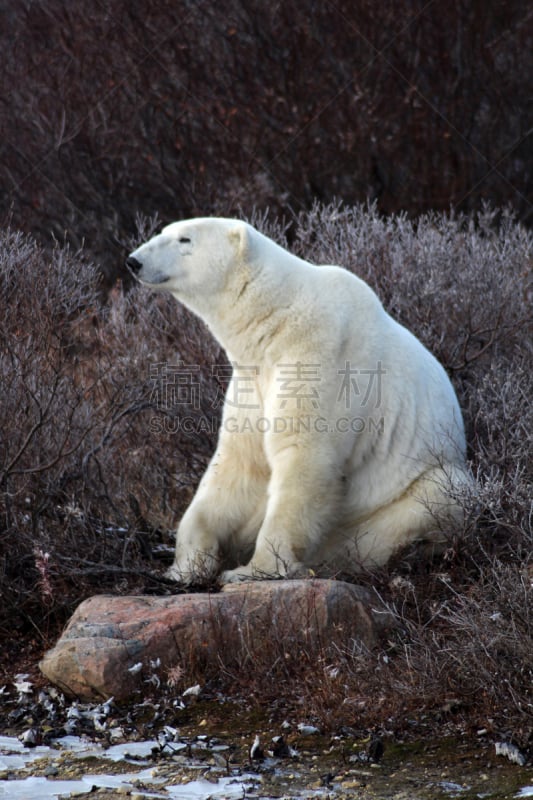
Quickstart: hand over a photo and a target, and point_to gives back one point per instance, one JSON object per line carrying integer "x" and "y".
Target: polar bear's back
{"x": 413, "y": 407}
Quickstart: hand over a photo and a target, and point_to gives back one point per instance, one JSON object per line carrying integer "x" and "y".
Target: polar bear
{"x": 341, "y": 437}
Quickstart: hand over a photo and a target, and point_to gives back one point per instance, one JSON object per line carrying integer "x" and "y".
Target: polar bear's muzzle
{"x": 145, "y": 275}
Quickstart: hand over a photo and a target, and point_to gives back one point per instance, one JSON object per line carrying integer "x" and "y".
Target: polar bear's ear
{"x": 239, "y": 236}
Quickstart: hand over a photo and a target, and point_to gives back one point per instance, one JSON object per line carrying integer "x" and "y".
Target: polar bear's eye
{"x": 184, "y": 240}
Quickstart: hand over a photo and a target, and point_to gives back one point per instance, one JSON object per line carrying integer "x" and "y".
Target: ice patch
{"x": 129, "y": 750}
{"x": 43, "y": 789}
{"x": 38, "y": 788}
{"x": 224, "y": 789}
{"x": 13, "y": 754}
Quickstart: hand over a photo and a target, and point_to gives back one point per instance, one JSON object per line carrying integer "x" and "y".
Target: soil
{"x": 333, "y": 766}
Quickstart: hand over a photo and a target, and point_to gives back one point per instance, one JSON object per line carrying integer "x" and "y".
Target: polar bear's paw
{"x": 241, "y": 574}
{"x": 173, "y": 573}
{"x": 202, "y": 574}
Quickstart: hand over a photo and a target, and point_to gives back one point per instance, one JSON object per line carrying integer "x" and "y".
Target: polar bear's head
{"x": 192, "y": 256}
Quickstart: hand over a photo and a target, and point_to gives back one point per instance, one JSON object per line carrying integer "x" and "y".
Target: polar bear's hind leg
{"x": 429, "y": 511}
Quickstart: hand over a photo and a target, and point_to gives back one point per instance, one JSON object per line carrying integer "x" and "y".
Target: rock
{"x": 107, "y": 636}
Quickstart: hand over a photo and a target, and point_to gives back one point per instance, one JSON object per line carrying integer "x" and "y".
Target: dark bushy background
{"x": 189, "y": 108}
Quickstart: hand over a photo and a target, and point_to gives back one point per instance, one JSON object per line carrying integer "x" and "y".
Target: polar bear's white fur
{"x": 341, "y": 439}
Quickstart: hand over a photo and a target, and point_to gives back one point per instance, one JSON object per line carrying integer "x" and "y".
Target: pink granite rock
{"x": 108, "y": 636}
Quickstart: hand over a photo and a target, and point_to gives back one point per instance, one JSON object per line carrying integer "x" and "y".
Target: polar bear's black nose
{"x": 133, "y": 265}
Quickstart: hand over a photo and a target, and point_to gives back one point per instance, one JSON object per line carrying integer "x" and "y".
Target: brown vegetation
{"x": 95, "y": 468}
{"x": 184, "y": 109}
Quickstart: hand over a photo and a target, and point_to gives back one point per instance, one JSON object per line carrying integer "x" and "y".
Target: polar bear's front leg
{"x": 305, "y": 493}
{"x": 226, "y": 511}
{"x": 196, "y": 557}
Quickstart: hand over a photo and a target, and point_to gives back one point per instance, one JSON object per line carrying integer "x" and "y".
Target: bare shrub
{"x": 96, "y": 464}
{"x": 81, "y": 505}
